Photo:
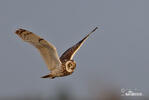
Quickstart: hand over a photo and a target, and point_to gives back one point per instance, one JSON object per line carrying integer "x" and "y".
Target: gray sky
{"x": 118, "y": 55}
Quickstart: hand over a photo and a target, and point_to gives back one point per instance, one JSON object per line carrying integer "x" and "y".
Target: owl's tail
{"x": 48, "y": 76}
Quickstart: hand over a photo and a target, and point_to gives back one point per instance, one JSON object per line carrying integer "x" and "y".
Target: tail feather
{"x": 48, "y": 76}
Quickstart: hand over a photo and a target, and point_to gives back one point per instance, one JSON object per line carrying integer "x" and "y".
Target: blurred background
{"x": 115, "y": 57}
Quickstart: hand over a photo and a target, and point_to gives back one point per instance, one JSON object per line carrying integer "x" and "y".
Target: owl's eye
{"x": 70, "y": 64}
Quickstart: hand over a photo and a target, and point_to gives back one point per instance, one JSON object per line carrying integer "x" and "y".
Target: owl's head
{"x": 70, "y": 66}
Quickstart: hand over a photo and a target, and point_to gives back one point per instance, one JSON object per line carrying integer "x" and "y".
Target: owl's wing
{"x": 69, "y": 54}
{"x": 47, "y": 50}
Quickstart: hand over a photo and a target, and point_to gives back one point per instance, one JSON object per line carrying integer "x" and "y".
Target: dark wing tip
{"x": 94, "y": 29}
{"x": 19, "y": 31}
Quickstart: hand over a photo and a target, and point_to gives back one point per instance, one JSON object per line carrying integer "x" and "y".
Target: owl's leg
{"x": 48, "y": 76}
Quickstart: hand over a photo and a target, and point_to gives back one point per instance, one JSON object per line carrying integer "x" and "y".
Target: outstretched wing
{"x": 68, "y": 54}
{"x": 47, "y": 50}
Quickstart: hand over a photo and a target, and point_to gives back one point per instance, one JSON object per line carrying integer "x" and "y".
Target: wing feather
{"x": 69, "y": 54}
{"x": 47, "y": 50}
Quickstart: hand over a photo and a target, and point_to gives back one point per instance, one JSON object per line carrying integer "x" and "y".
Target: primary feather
{"x": 69, "y": 54}
{"x": 46, "y": 49}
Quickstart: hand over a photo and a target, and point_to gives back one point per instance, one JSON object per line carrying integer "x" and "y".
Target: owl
{"x": 59, "y": 67}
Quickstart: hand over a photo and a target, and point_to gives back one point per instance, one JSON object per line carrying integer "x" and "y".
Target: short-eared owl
{"x": 59, "y": 67}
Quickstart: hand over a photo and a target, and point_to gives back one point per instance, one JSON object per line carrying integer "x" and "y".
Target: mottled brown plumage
{"x": 68, "y": 54}
{"x": 59, "y": 67}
